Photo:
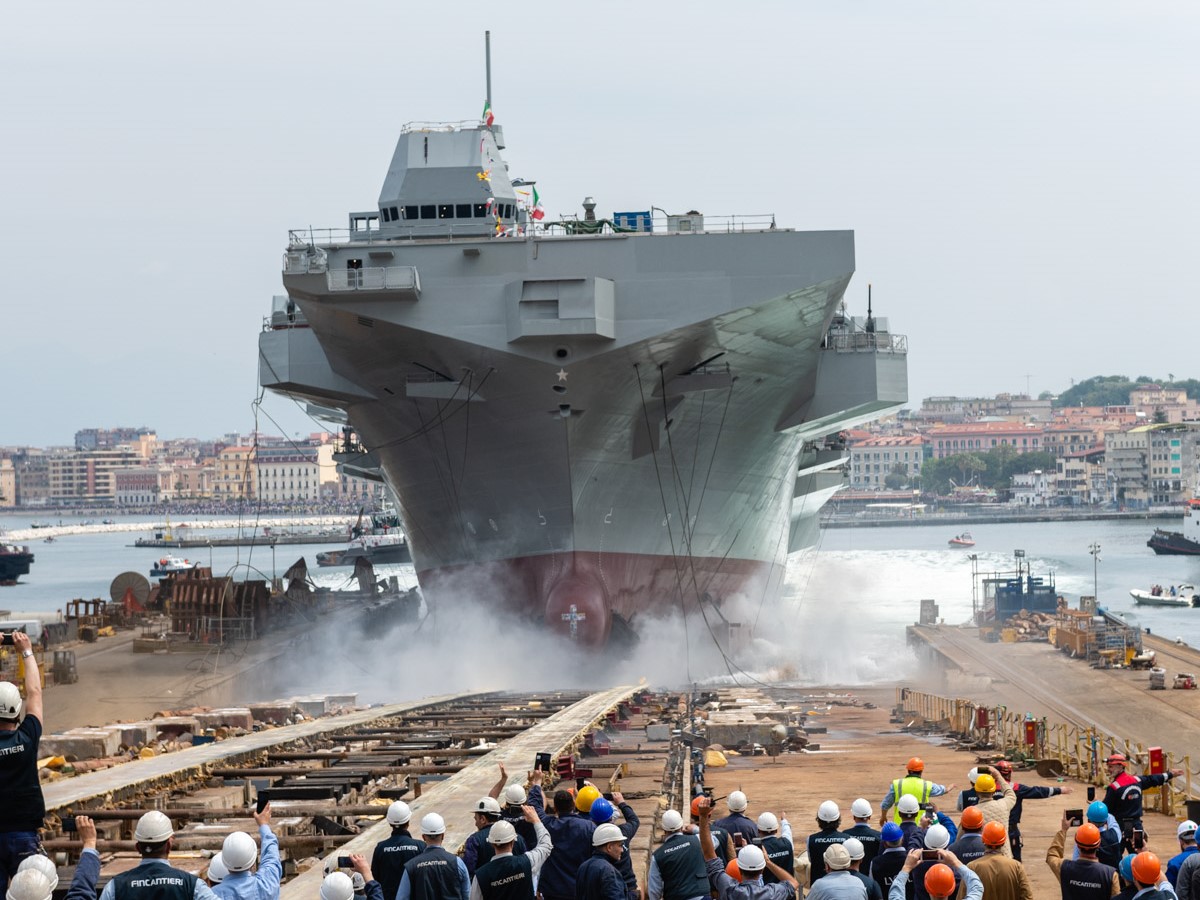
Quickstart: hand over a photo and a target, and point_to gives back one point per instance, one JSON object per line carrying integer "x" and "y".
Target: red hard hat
{"x": 994, "y": 834}
{"x": 916, "y": 764}
{"x": 972, "y": 818}
{"x": 1088, "y": 836}
{"x": 1004, "y": 767}
{"x": 939, "y": 881}
{"x": 1117, "y": 759}
{"x": 732, "y": 870}
{"x": 1146, "y": 868}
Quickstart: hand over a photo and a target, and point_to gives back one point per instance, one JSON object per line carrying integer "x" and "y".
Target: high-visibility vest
{"x": 911, "y": 784}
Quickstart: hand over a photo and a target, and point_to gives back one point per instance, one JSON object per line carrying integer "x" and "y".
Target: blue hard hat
{"x": 891, "y": 832}
{"x": 1097, "y": 812}
{"x": 602, "y": 811}
{"x": 1126, "y": 868}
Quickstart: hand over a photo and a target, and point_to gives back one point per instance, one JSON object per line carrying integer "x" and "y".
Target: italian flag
{"x": 538, "y": 212}
{"x": 488, "y": 116}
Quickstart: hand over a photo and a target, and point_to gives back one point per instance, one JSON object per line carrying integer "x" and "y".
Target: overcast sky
{"x": 1022, "y": 177}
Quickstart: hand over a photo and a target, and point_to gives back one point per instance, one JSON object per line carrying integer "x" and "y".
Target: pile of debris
{"x": 1029, "y": 626}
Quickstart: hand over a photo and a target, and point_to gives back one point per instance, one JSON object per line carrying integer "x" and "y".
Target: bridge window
{"x": 462, "y": 210}
{"x": 411, "y": 212}
{"x": 387, "y": 216}
{"x": 428, "y": 211}
{"x": 481, "y": 210}
{"x": 395, "y": 213}
{"x": 445, "y": 210}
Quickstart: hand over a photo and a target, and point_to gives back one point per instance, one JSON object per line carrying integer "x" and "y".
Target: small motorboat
{"x": 962, "y": 540}
{"x": 169, "y": 565}
{"x": 1175, "y": 595}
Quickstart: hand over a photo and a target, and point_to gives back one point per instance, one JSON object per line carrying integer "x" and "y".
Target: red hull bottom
{"x": 580, "y": 594}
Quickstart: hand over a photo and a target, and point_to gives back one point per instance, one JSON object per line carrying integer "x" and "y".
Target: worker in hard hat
{"x": 969, "y": 845}
{"x": 1123, "y": 796}
{"x": 387, "y": 862}
{"x": 23, "y": 810}
{"x": 912, "y": 784}
{"x": 1188, "y": 875}
{"x": 599, "y": 878}
{"x": 434, "y": 873}
{"x": 477, "y": 850}
{"x": 1185, "y": 833}
{"x": 1003, "y": 877}
{"x": 1024, "y": 792}
{"x": 890, "y": 860}
{"x": 153, "y": 878}
{"x": 912, "y": 819}
{"x": 1086, "y": 877}
{"x": 775, "y": 839}
{"x": 861, "y": 810}
{"x": 216, "y": 872}
{"x": 856, "y": 850}
{"x": 37, "y": 875}
{"x": 996, "y": 799}
{"x": 239, "y": 855}
{"x": 677, "y": 866}
{"x": 829, "y": 818}
{"x": 513, "y": 797}
{"x": 508, "y": 875}
{"x": 1149, "y": 879}
{"x": 838, "y": 882}
{"x": 1110, "y": 851}
{"x": 936, "y": 838}
{"x": 940, "y": 881}
{"x": 751, "y": 863}
{"x": 739, "y": 826}
{"x": 571, "y": 836}
{"x": 967, "y": 797}
{"x": 722, "y": 840}
{"x": 605, "y": 810}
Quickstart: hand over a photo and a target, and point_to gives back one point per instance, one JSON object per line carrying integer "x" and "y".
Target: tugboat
{"x": 962, "y": 540}
{"x": 1179, "y": 543}
{"x": 15, "y": 561}
{"x": 169, "y": 565}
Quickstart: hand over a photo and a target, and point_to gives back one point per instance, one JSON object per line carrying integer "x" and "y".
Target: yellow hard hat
{"x": 588, "y": 794}
{"x": 985, "y": 784}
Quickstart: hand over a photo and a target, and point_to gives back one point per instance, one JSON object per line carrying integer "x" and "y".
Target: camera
{"x": 931, "y": 854}
{"x": 345, "y": 862}
{"x": 1074, "y": 817}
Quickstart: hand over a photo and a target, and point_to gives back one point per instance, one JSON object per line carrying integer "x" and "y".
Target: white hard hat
{"x": 46, "y": 866}
{"x": 607, "y": 833}
{"x": 751, "y": 859}
{"x": 10, "y": 701}
{"x": 908, "y": 805}
{"x": 855, "y": 848}
{"x": 972, "y": 774}
{"x": 153, "y": 828}
{"x": 672, "y": 820}
{"x": 828, "y": 812}
{"x": 488, "y": 806}
{"x": 514, "y": 795}
{"x": 337, "y": 886}
{"x": 239, "y": 851}
{"x": 861, "y": 808}
{"x": 737, "y": 801}
{"x": 937, "y": 837}
{"x": 32, "y": 884}
{"x": 502, "y": 833}
{"x": 399, "y": 813}
{"x": 358, "y": 882}
{"x": 767, "y": 822}
{"x": 216, "y": 869}
{"x": 433, "y": 824}
{"x": 1188, "y": 827}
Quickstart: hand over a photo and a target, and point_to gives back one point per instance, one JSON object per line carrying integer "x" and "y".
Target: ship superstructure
{"x": 588, "y": 421}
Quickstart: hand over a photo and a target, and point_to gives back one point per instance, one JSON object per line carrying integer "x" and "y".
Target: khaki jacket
{"x": 1003, "y": 877}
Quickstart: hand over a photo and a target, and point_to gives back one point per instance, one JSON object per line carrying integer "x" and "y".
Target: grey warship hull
{"x": 585, "y": 429}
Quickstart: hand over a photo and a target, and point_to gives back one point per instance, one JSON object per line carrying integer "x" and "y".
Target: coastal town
{"x": 1012, "y": 449}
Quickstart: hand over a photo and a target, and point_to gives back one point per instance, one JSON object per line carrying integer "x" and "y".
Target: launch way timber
{"x": 584, "y": 422}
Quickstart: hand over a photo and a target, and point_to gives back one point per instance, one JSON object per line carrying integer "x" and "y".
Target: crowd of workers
{"x": 578, "y": 849}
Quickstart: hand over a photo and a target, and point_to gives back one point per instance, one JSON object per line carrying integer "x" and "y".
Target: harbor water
{"x": 840, "y": 620}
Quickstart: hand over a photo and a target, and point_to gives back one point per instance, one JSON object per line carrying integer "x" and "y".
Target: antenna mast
{"x": 487, "y": 45}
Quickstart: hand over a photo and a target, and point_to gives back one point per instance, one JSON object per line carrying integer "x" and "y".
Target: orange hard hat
{"x": 1146, "y": 868}
{"x": 994, "y": 834}
{"x": 939, "y": 881}
{"x": 1088, "y": 836}
{"x": 972, "y": 818}
{"x": 696, "y": 805}
{"x": 916, "y": 764}
{"x": 732, "y": 870}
